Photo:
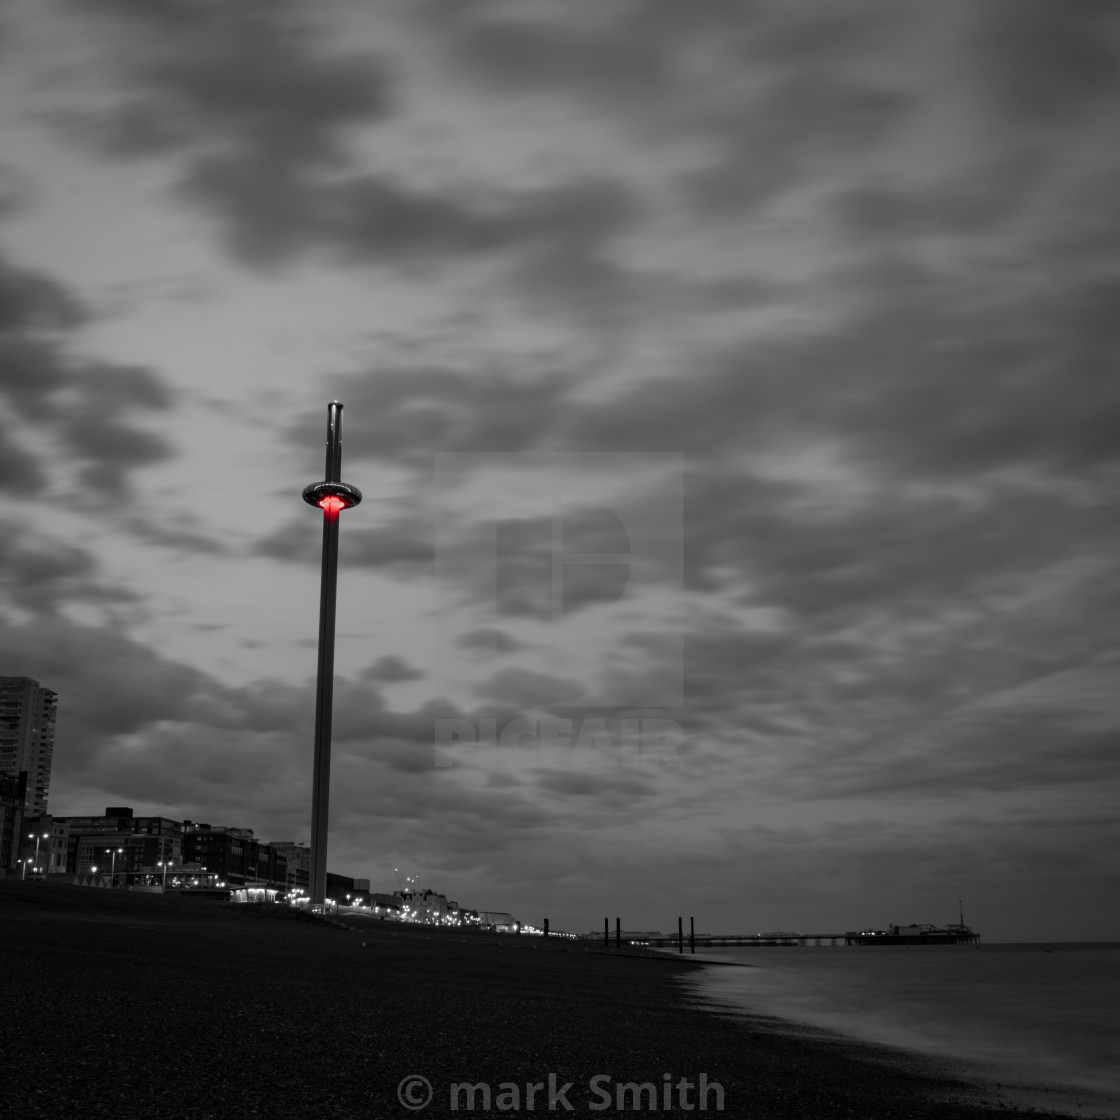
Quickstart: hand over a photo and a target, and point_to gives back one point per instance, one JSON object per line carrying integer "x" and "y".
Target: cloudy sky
{"x": 730, "y": 387}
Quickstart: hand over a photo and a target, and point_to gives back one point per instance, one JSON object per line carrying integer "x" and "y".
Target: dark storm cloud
{"x": 137, "y": 724}
{"x": 110, "y": 446}
{"x": 919, "y": 381}
{"x": 594, "y": 56}
{"x": 248, "y": 78}
{"x": 768, "y": 91}
{"x": 883, "y": 217}
{"x": 970, "y": 756}
{"x": 89, "y": 407}
{"x": 256, "y": 117}
{"x": 16, "y": 187}
{"x": 270, "y": 216}
{"x": 902, "y": 548}
{"x": 1046, "y": 60}
{"x": 488, "y": 639}
{"x": 790, "y": 134}
{"x": 390, "y": 669}
{"x": 608, "y": 790}
{"x": 113, "y": 685}
{"x": 970, "y": 696}
{"x": 526, "y": 688}
{"x": 174, "y": 533}
{"x": 33, "y": 303}
{"x": 657, "y": 61}
{"x": 409, "y": 414}
{"x": 43, "y": 575}
{"x": 405, "y": 546}
{"x": 20, "y": 475}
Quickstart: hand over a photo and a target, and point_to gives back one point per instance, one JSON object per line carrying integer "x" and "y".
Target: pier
{"x": 856, "y": 938}
{"x": 737, "y": 940}
{"x": 956, "y": 933}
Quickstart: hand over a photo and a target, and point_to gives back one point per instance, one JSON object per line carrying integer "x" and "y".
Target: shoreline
{"x": 985, "y": 1081}
{"x": 145, "y": 1005}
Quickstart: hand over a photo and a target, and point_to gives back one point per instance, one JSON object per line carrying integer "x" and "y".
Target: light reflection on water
{"x": 1047, "y": 1014}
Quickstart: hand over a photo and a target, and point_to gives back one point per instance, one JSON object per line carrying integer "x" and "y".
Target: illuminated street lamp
{"x": 332, "y": 496}
{"x": 37, "y": 836}
{"x": 113, "y": 866}
{"x": 165, "y": 864}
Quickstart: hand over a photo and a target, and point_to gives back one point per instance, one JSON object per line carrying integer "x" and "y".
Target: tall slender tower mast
{"x": 332, "y": 496}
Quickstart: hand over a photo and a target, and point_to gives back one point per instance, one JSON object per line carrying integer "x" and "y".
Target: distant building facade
{"x": 499, "y": 919}
{"x": 235, "y": 855}
{"x": 45, "y": 843}
{"x": 13, "y": 794}
{"x": 424, "y": 905}
{"x": 27, "y": 722}
{"x": 120, "y": 844}
{"x": 338, "y": 887}
{"x": 298, "y": 857}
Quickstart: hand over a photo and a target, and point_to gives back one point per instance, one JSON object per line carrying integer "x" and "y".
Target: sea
{"x": 1039, "y": 1021}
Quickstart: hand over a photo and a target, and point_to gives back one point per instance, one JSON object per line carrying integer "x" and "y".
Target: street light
{"x": 113, "y": 867}
{"x": 164, "y": 863}
{"x": 36, "y": 836}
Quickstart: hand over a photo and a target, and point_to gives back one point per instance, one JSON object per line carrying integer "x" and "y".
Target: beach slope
{"x": 131, "y": 1005}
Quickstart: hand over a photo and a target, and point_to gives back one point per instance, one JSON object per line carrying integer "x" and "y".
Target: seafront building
{"x": 235, "y": 855}
{"x": 44, "y": 844}
{"x": 27, "y": 721}
{"x": 499, "y": 919}
{"x": 298, "y": 856}
{"x": 119, "y": 843}
{"x": 13, "y": 793}
{"x": 424, "y": 905}
{"x": 120, "y": 849}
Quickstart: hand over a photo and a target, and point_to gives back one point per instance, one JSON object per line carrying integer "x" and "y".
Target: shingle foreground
{"x": 124, "y": 1005}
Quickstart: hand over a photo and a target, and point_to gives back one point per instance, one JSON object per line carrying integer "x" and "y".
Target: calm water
{"x": 1030, "y": 1014}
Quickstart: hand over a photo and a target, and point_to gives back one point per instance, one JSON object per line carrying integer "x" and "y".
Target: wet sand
{"x": 131, "y": 1005}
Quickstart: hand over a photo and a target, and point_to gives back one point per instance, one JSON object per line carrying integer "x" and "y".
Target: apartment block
{"x": 27, "y": 721}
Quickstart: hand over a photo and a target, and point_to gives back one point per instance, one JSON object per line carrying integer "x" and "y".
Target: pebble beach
{"x": 131, "y": 1005}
